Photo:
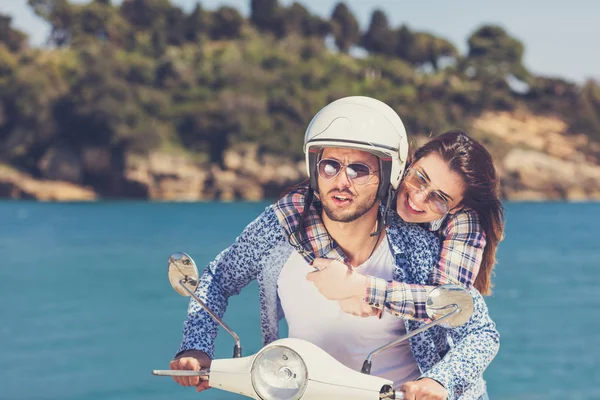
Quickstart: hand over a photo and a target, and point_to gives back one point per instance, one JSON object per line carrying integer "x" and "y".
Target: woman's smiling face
{"x": 429, "y": 190}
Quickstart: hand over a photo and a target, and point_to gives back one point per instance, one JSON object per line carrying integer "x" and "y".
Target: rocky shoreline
{"x": 536, "y": 161}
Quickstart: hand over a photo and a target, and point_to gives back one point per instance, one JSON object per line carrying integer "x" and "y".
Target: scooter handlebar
{"x": 179, "y": 372}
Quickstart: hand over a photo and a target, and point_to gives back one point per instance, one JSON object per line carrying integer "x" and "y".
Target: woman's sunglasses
{"x": 358, "y": 173}
{"x": 416, "y": 181}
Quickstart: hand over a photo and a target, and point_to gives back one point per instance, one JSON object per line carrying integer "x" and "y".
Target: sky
{"x": 560, "y": 37}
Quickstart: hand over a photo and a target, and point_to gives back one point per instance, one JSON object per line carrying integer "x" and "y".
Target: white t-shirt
{"x": 348, "y": 338}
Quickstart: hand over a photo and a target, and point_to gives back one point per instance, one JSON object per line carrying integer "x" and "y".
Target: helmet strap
{"x": 298, "y": 238}
{"x": 308, "y": 199}
{"x": 313, "y": 159}
{"x": 383, "y": 217}
{"x": 385, "y": 173}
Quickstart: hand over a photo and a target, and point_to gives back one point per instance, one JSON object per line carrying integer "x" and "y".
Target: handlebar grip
{"x": 174, "y": 372}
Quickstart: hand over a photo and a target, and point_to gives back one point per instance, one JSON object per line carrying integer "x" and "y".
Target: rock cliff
{"x": 535, "y": 157}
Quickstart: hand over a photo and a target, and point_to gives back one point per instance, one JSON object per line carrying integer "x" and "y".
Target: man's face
{"x": 352, "y": 192}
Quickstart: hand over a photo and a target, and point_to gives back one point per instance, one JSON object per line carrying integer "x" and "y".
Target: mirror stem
{"x": 237, "y": 350}
{"x": 366, "y": 368}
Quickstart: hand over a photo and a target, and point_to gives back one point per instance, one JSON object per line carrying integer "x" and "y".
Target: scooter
{"x": 292, "y": 369}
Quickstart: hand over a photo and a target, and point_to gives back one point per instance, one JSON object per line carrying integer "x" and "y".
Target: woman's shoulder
{"x": 463, "y": 216}
{"x": 465, "y": 222}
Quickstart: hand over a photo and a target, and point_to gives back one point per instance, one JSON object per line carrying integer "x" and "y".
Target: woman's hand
{"x": 356, "y": 306}
{"x": 336, "y": 280}
{"x": 424, "y": 389}
{"x": 193, "y": 360}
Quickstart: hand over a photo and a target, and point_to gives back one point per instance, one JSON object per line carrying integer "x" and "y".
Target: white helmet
{"x": 360, "y": 123}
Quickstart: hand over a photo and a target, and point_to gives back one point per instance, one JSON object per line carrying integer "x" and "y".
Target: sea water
{"x": 87, "y": 311}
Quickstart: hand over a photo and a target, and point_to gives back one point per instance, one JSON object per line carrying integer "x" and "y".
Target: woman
{"x": 452, "y": 187}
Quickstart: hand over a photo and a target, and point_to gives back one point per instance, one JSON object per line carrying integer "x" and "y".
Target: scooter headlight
{"x": 279, "y": 373}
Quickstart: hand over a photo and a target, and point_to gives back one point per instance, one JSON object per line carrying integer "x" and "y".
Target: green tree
{"x": 101, "y": 109}
{"x": 420, "y": 48}
{"x": 175, "y": 26}
{"x": 60, "y": 15}
{"x": 495, "y": 55}
{"x": 93, "y": 21}
{"x": 314, "y": 25}
{"x": 293, "y": 20}
{"x": 146, "y": 14}
{"x": 196, "y": 24}
{"x": 404, "y": 43}
{"x": 207, "y": 129}
{"x": 226, "y": 23}
{"x": 345, "y": 27}
{"x": 27, "y": 97}
{"x": 587, "y": 110}
{"x": 427, "y": 48}
{"x": 379, "y": 38}
{"x": 8, "y": 66}
{"x": 12, "y": 38}
{"x": 264, "y": 14}
{"x": 547, "y": 94}
{"x": 159, "y": 42}
{"x": 297, "y": 19}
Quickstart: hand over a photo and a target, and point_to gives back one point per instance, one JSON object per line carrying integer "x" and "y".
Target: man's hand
{"x": 356, "y": 306}
{"x": 424, "y": 389}
{"x": 336, "y": 280}
{"x": 194, "y": 360}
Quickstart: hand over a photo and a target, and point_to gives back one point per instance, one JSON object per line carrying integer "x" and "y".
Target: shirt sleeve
{"x": 462, "y": 246}
{"x": 463, "y": 241}
{"x": 401, "y": 299}
{"x": 233, "y": 269}
{"x": 475, "y": 345}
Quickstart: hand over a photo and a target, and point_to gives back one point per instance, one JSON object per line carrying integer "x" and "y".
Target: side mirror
{"x": 451, "y": 302}
{"x": 184, "y": 278}
{"x": 183, "y": 274}
{"x": 448, "y": 304}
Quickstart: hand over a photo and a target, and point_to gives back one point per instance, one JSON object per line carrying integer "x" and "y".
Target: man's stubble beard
{"x": 362, "y": 209}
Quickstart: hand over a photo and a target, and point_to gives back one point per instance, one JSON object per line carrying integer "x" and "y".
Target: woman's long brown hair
{"x": 474, "y": 164}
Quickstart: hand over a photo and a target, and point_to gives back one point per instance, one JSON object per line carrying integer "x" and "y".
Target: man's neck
{"x": 355, "y": 237}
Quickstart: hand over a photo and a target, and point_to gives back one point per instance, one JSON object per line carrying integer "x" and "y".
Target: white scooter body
{"x": 327, "y": 377}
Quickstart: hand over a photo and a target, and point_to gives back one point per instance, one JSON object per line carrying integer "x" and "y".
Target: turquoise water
{"x": 87, "y": 310}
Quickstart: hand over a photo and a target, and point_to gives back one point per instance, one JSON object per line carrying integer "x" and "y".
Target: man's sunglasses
{"x": 358, "y": 173}
{"x": 416, "y": 181}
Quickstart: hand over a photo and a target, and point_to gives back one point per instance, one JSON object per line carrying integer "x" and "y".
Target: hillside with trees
{"x": 145, "y": 100}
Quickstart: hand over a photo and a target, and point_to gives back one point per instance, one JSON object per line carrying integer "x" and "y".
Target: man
{"x": 356, "y": 148}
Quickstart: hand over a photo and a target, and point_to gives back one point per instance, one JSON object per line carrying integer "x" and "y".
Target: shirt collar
{"x": 315, "y": 240}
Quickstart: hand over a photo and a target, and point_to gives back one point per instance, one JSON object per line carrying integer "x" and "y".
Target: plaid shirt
{"x": 463, "y": 242}
{"x": 314, "y": 241}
